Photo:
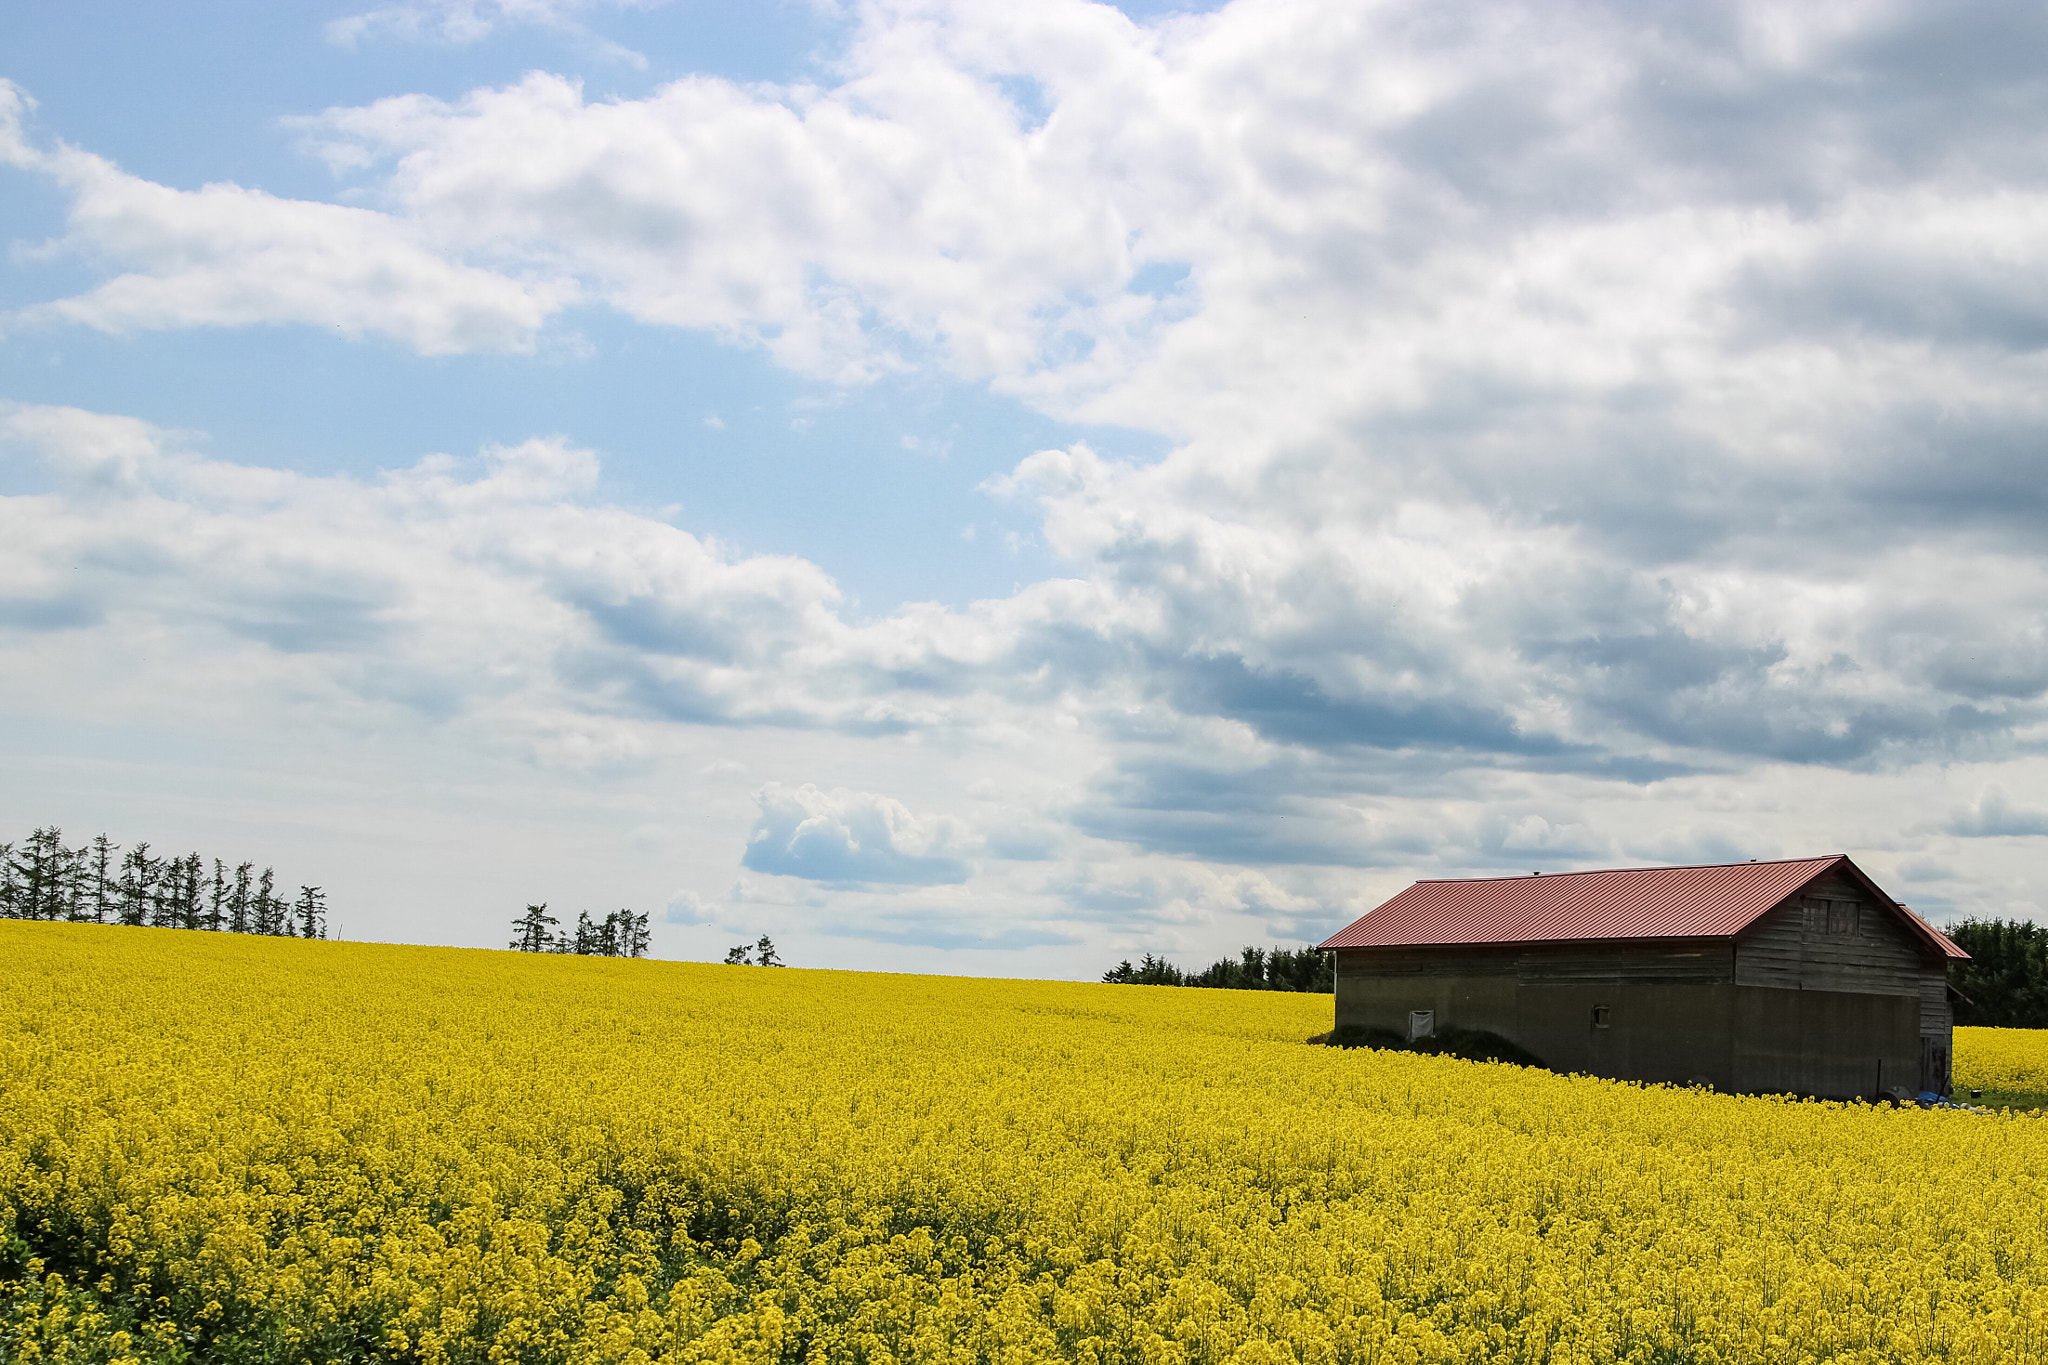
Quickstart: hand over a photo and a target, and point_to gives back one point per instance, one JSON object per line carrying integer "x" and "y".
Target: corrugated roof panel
{"x": 1715, "y": 901}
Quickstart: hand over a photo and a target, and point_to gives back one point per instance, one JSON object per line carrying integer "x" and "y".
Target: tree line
{"x": 1254, "y": 969}
{"x": 99, "y": 883}
{"x": 2005, "y": 982}
{"x": 619, "y": 934}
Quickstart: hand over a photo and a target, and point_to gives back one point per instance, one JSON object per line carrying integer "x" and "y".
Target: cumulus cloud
{"x": 687, "y": 907}
{"x": 1994, "y": 815}
{"x": 227, "y": 256}
{"x": 457, "y": 588}
{"x": 852, "y": 838}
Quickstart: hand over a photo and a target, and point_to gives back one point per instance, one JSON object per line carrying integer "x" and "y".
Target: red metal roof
{"x": 1715, "y": 901}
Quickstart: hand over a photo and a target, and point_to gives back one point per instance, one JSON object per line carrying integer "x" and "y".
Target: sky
{"x": 999, "y": 489}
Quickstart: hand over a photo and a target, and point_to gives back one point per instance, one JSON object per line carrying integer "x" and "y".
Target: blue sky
{"x": 983, "y": 489}
{"x": 128, "y": 85}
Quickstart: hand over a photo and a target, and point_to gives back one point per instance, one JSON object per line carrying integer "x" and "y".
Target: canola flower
{"x": 228, "y": 1149}
{"x": 2009, "y": 1059}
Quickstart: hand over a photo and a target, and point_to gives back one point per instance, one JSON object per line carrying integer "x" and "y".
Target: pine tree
{"x": 765, "y": 953}
{"x": 310, "y": 910}
{"x": 138, "y": 884}
{"x": 240, "y": 906}
{"x": 10, "y": 884}
{"x": 39, "y": 875}
{"x": 1153, "y": 971}
{"x": 535, "y": 929}
{"x": 104, "y": 891}
{"x": 623, "y": 934}
{"x": 163, "y": 909}
{"x": 191, "y": 881}
{"x": 76, "y": 879}
{"x": 268, "y": 910}
{"x": 740, "y": 956}
{"x": 2004, "y": 983}
{"x": 217, "y": 897}
{"x": 1253, "y": 969}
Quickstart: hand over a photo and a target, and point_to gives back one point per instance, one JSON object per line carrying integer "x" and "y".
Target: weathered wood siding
{"x": 1936, "y": 1014}
{"x": 1637, "y": 960}
{"x": 1832, "y": 937}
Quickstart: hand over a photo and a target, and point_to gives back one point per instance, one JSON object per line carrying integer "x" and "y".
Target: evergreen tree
{"x": 39, "y": 872}
{"x": 636, "y": 934}
{"x": 2005, "y": 982}
{"x": 138, "y": 884}
{"x": 1153, "y": 971}
{"x": 105, "y": 894}
{"x": 535, "y": 929}
{"x": 217, "y": 897}
{"x": 241, "y": 906}
{"x": 740, "y": 956}
{"x": 764, "y": 953}
{"x": 310, "y": 910}
{"x": 163, "y": 909}
{"x": 10, "y": 884}
{"x": 1253, "y": 969}
{"x": 68, "y": 890}
{"x": 77, "y": 880}
{"x": 191, "y": 884}
{"x": 267, "y": 911}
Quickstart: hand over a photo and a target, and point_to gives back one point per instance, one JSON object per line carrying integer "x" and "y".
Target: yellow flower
{"x": 213, "y": 1145}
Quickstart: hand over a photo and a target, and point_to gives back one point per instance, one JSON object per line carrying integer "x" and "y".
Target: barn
{"x": 1796, "y": 976}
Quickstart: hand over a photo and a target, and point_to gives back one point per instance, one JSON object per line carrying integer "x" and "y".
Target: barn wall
{"x": 1831, "y": 937}
{"x": 1937, "y": 1031}
{"x": 1936, "y": 1014}
{"x": 1835, "y": 1044}
{"x": 1671, "y": 1013}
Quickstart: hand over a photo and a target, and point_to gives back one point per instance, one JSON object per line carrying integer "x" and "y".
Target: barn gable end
{"x": 1832, "y": 936}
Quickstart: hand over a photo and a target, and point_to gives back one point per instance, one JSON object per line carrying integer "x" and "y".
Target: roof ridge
{"x": 1601, "y": 871}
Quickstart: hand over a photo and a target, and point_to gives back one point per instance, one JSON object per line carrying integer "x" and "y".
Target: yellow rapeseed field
{"x": 221, "y": 1148}
{"x": 2011, "y": 1059}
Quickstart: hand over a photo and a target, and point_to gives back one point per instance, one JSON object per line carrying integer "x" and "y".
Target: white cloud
{"x": 226, "y": 256}
{"x": 1994, "y": 815}
{"x": 687, "y": 907}
{"x": 852, "y": 838}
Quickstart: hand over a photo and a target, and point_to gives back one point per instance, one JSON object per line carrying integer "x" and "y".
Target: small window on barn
{"x": 1602, "y": 1015}
{"x": 1421, "y": 1024}
{"x": 1841, "y": 917}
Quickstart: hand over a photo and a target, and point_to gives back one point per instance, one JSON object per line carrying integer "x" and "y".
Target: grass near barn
{"x": 234, "y": 1149}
